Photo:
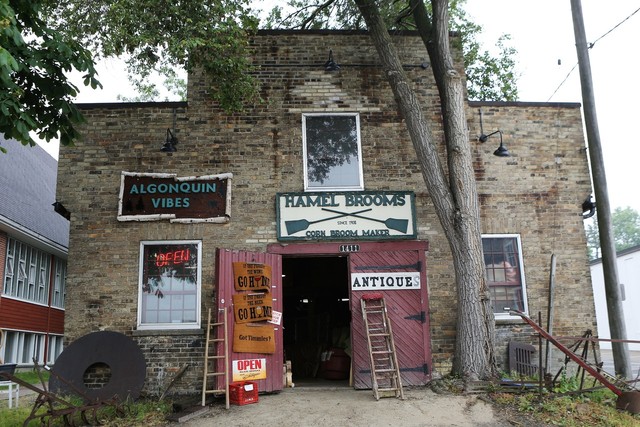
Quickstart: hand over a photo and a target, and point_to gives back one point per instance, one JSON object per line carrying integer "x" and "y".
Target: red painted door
{"x": 225, "y": 281}
{"x": 408, "y": 314}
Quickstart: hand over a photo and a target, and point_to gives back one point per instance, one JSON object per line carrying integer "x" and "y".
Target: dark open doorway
{"x": 317, "y": 334}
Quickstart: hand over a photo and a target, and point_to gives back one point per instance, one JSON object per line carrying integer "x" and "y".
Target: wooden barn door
{"x": 225, "y": 282}
{"x": 408, "y": 313}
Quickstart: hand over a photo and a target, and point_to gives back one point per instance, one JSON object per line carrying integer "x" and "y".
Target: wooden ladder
{"x": 385, "y": 372}
{"x": 216, "y": 350}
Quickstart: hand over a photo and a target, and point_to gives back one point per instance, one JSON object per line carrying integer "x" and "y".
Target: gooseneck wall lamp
{"x": 501, "y": 151}
{"x": 331, "y": 65}
{"x": 170, "y": 141}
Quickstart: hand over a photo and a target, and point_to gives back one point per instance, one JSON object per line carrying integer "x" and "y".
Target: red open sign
{"x": 173, "y": 257}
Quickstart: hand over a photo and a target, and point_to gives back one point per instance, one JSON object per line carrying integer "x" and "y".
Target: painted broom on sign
{"x": 297, "y": 225}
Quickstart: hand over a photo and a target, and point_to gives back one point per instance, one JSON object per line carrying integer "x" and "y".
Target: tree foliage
{"x": 163, "y": 35}
{"x": 36, "y": 94}
{"x": 626, "y": 231}
{"x": 491, "y": 76}
{"x": 147, "y": 90}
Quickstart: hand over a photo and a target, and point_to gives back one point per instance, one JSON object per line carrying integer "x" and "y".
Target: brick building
{"x": 324, "y": 223}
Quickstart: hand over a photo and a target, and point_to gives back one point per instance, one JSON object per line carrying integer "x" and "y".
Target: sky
{"x": 542, "y": 33}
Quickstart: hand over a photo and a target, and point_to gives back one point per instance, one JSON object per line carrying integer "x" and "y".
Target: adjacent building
{"x": 33, "y": 256}
{"x": 628, "y": 261}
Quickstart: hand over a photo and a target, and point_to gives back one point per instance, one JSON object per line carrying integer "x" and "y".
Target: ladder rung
{"x": 382, "y": 353}
{"x": 214, "y": 391}
{"x": 212, "y": 347}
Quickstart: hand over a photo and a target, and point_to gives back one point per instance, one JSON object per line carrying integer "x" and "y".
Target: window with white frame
{"x": 332, "y": 152}
{"x": 504, "y": 272}
{"x": 23, "y": 347}
{"x": 169, "y": 290}
{"x": 26, "y": 273}
{"x": 55, "y": 348}
{"x": 59, "y": 284}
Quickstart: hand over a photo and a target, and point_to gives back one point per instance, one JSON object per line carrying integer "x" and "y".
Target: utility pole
{"x": 615, "y": 311}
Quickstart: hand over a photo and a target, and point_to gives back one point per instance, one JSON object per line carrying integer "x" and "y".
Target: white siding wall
{"x": 629, "y": 277}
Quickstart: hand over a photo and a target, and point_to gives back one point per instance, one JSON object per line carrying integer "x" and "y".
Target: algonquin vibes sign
{"x": 155, "y": 197}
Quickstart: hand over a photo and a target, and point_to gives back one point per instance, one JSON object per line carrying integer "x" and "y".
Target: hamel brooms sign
{"x": 363, "y": 215}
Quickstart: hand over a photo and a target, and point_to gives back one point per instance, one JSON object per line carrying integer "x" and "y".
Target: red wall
{"x": 25, "y": 316}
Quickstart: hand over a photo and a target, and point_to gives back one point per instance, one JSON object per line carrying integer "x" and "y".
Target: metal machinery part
{"x": 117, "y": 351}
{"x": 628, "y": 397}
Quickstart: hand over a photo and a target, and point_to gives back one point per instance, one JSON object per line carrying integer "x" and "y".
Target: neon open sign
{"x": 173, "y": 258}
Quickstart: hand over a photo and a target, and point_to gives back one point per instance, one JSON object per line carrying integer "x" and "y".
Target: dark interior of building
{"x": 317, "y": 318}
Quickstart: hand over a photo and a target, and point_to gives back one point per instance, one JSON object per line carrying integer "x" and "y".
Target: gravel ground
{"x": 323, "y": 407}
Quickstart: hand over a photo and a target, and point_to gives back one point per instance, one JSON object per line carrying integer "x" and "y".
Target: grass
{"x": 145, "y": 413}
{"x": 31, "y": 376}
{"x": 564, "y": 407}
{"x": 138, "y": 414}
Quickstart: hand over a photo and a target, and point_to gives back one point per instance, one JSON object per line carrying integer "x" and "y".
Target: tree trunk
{"x": 454, "y": 197}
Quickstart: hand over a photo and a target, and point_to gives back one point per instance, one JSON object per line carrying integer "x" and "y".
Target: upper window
{"x": 26, "y": 272}
{"x": 59, "y": 284}
{"x": 332, "y": 152}
{"x": 169, "y": 294}
{"x": 505, "y": 277}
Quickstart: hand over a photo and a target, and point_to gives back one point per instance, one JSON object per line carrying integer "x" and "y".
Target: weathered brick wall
{"x": 537, "y": 192}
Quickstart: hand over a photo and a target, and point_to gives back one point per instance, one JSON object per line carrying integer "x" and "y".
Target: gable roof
{"x": 27, "y": 191}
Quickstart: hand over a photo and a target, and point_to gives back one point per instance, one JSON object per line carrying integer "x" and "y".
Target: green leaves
{"x": 37, "y": 96}
{"x": 626, "y": 231}
{"x": 491, "y": 76}
{"x": 159, "y": 36}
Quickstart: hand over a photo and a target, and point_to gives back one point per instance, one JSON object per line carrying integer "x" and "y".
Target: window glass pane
{"x": 163, "y": 303}
{"x": 333, "y": 158}
{"x": 169, "y": 284}
{"x": 27, "y": 272}
{"x": 10, "y": 347}
{"x": 163, "y": 317}
{"x": 190, "y": 316}
{"x": 504, "y": 273}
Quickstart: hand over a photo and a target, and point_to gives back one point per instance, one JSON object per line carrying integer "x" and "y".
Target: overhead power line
{"x": 591, "y": 46}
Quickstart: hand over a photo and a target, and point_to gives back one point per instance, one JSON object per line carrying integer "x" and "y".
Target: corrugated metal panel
{"x": 224, "y": 271}
{"x": 408, "y": 313}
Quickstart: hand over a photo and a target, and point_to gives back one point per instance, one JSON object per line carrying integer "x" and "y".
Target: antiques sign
{"x": 156, "y": 196}
{"x": 385, "y": 281}
{"x": 362, "y": 215}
